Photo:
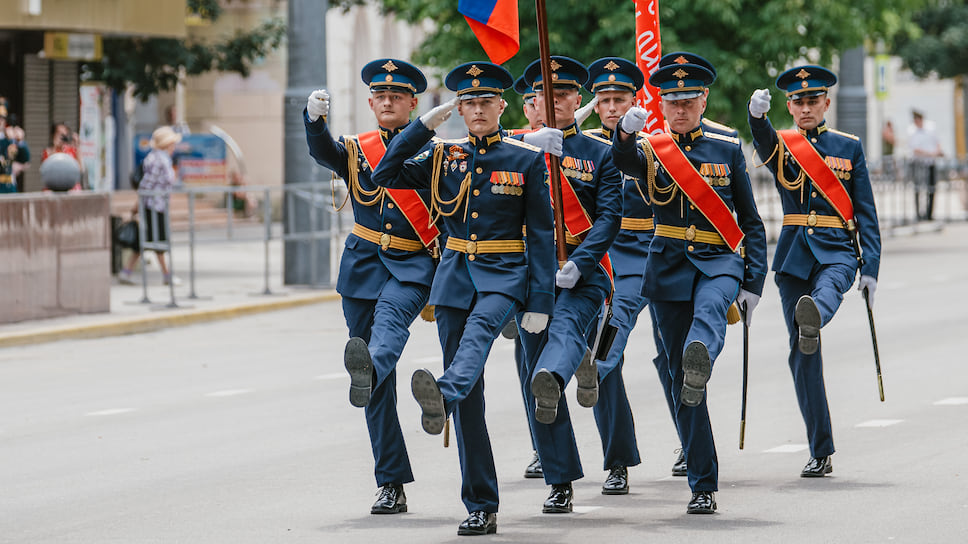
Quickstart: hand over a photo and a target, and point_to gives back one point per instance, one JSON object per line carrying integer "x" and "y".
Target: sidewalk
{"x": 230, "y": 281}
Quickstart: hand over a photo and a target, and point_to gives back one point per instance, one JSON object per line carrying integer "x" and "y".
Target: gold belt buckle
{"x": 690, "y": 233}
{"x": 812, "y": 219}
{"x": 471, "y": 248}
{"x": 384, "y": 241}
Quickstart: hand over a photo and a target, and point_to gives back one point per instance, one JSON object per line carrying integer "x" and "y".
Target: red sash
{"x": 411, "y": 205}
{"x": 704, "y": 197}
{"x": 577, "y": 221}
{"x": 819, "y": 172}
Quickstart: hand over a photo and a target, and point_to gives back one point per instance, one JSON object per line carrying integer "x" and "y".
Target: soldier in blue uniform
{"x": 613, "y": 81}
{"x": 486, "y": 187}
{"x": 704, "y": 210}
{"x": 679, "y": 468}
{"x": 592, "y": 204}
{"x": 385, "y": 271}
{"x": 817, "y": 254}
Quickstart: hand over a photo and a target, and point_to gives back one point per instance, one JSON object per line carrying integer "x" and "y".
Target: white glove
{"x": 869, "y": 283}
{"x": 534, "y": 322}
{"x": 318, "y": 105}
{"x": 568, "y": 276}
{"x": 583, "y": 112}
{"x": 547, "y": 138}
{"x": 747, "y": 301}
{"x": 436, "y": 117}
{"x": 760, "y": 103}
{"x": 634, "y": 120}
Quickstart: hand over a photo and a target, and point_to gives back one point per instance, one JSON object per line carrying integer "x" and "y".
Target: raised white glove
{"x": 568, "y": 276}
{"x": 634, "y": 120}
{"x": 869, "y": 283}
{"x": 534, "y": 322}
{"x": 436, "y": 117}
{"x": 747, "y": 301}
{"x": 318, "y": 105}
{"x": 583, "y": 112}
{"x": 547, "y": 138}
{"x": 760, "y": 103}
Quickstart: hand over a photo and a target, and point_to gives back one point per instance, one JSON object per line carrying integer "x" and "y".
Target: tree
{"x": 154, "y": 65}
{"x": 749, "y": 41}
{"x": 940, "y": 46}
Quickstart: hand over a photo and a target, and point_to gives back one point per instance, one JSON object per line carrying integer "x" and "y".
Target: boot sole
{"x": 546, "y": 393}
{"x": 356, "y": 359}
{"x": 427, "y": 394}
{"x": 696, "y": 369}
{"x": 807, "y": 318}
{"x": 397, "y": 510}
{"x": 587, "y": 377}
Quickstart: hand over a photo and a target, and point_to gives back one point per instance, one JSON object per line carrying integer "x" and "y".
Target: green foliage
{"x": 749, "y": 41}
{"x": 152, "y": 65}
{"x": 941, "y": 43}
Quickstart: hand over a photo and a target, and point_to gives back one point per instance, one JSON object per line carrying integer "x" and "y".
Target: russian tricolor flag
{"x": 495, "y": 23}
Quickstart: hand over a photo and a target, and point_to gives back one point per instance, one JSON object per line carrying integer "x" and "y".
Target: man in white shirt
{"x": 925, "y": 147}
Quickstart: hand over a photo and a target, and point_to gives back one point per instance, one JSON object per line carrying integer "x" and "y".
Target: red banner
{"x": 648, "y": 51}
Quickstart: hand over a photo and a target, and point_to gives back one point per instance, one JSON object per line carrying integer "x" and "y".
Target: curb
{"x": 139, "y": 325}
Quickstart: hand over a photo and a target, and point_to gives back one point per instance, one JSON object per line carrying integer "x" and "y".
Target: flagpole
{"x": 549, "y": 118}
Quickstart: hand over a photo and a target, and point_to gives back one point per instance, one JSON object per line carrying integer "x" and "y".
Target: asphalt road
{"x": 240, "y": 431}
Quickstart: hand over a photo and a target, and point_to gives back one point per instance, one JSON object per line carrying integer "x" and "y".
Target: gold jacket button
{"x": 809, "y": 231}
{"x": 473, "y": 237}
{"x": 471, "y": 257}
{"x": 688, "y": 148}
{"x": 691, "y": 248}
{"x": 482, "y": 151}
{"x": 814, "y": 194}
{"x": 814, "y": 140}
{"x": 388, "y": 226}
{"x": 474, "y": 215}
{"x": 477, "y": 192}
{"x": 479, "y": 170}
{"x": 390, "y": 205}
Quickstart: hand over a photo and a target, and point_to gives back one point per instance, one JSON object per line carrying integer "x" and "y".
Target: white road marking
{"x": 787, "y": 448}
{"x": 110, "y": 412}
{"x": 879, "y": 423}
{"x": 228, "y": 393}
{"x": 336, "y": 376}
{"x": 952, "y": 401}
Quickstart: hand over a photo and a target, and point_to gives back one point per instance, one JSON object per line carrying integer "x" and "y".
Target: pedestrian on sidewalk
{"x": 159, "y": 177}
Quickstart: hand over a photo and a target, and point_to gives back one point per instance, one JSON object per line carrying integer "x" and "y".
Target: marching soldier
{"x": 614, "y": 81}
{"x": 386, "y": 268}
{"x": 679, "y": 468}
{"x": 703, "y": 205}
{"x": 592, "y": 205}
{"x": 829, "y": 229}
{"x": 485, "y": 187}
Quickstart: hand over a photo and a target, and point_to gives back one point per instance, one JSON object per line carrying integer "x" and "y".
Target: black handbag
{"x": 127, "y": 235}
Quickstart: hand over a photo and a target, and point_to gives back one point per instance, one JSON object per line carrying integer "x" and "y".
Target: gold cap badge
{"x": 803, "y": 74}
{"x": 680, "y": 73}
{"x": 474, "y": 71}
{"x": 611, "y": 66}
{"x": 554, "y": 65}
{"x": 389, "y": 66}
{"x": 681, "y": 60}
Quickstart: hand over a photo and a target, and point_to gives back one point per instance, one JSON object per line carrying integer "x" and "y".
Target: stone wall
{"x": 55, "y": 255}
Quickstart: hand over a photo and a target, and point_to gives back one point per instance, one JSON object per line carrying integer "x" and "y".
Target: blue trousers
{"x": 827, "y": 285}
{"x": 560, "y": 349}
{"x": 613, "y": 414}
{"x": 704, "y": 319}
{"x": 384, "y": 324}
{"x": 521, "y": 364}
{"x": 466, "y": 337}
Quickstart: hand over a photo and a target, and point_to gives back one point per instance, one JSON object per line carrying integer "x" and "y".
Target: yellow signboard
{"x": 72, "y": 46}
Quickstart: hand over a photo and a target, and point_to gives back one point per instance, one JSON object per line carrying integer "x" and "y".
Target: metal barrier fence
{"x": 318, "y": 196}
{"x": 902, "y": 190}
